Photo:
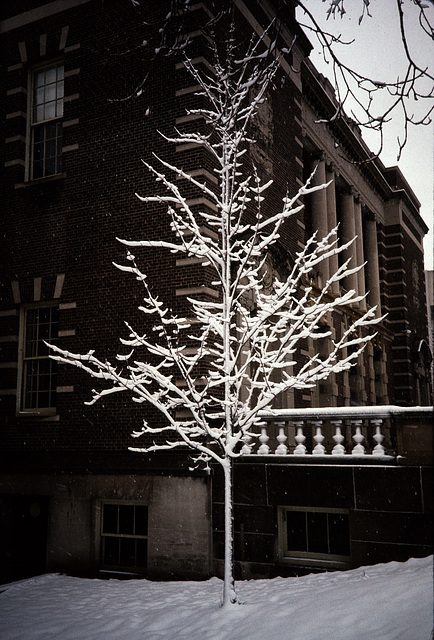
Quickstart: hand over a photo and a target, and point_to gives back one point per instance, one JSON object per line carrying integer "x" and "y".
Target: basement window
{"x": 314, "y": 536}
{"x": 124, "y": 537}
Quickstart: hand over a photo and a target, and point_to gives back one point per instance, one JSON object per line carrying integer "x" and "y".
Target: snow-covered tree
{"x": 242, "y": 345}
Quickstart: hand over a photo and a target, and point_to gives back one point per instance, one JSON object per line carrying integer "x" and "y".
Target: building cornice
{"x": 33, "y": 15}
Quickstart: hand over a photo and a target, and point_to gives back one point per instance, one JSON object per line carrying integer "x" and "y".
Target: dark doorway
{"x": 23, "y": 536}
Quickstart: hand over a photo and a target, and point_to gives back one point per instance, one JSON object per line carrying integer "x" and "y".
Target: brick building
{"x": 72, "y": 497}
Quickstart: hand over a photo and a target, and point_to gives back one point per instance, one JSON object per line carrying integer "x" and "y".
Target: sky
{"x": 390, "y": 601}
{"x": 377, "y": 50}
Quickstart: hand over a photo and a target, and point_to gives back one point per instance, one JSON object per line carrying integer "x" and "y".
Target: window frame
{"x": 311, "y": 558}
{"x": 21, "y": 409}
{"x": 32, "y": 125}
{"x": 105, "y": 567}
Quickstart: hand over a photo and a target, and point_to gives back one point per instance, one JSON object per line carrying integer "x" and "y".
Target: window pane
{"x": 43, "y": 399}
{"x": 339, "y": 534}
{"x": 31, "y": 329}
{"x": 44, "y": 373}
{"x": 296, "y": 530}
{"x": 317, "y": 532}
{"x": 110, "y": 518}
{"x": 50, "y": 167}
{"x": 39, "y": 95}
{"x": 39, "y": 78}
{"x": 110, "y": 551}
{"x": 51, "y": 131}
{"x": 141, "y": 554}
{"x": 127, "y": 552}
{"x": 39, "y": 113}
{"x": 30, "y": 383}
{"x": 126, "y": 519}
{"x": 50, "y": 92}
{"x": 60, "y": 89}
{"x": 50, "y": 110}
{"x": 59, "y": 145}
{"x": 141, "y": 522}
{"x": 50, "y": 148}
{"x": 50, "y": 75}
{"x": 38, "y": 134}
{"x": 38, "y": 166}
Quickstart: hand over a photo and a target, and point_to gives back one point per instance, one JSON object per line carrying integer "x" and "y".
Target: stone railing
{"x": 346, "y": 433}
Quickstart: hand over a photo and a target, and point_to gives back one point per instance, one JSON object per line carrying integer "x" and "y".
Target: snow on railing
{"x": 331, "y": 431}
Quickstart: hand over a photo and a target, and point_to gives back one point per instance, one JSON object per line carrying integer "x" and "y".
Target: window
{"x": 37, "y": 371}
{"x": 124, "y": 537}
{"x": 46, "y": 121}
{"x": 314, "y": 536}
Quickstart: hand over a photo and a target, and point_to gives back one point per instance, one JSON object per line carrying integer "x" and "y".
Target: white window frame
{"x": 295, "y": 557}
{"x": 33, "y": 124}
{"x": 103, "y": 535}
{"x": 22, "y": 409}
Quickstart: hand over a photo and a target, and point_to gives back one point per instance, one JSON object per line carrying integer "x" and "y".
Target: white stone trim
{"x": 15, "y": 67}
{"x": 16, "y": 114}
{"x": 37, "y": 286}
{"x": 71, "y": 72}
{"x": 12, "y": 92}
{"x": 202, "y": 290}
{"x": 65, "y": 333}
{"x": 73, "y": 96}
{"x": 189, "y": 118}
{"x": 187, "y": 90}
{"x": 72, "y": 47}
{"x": 12, "y": 163}
{"x": 43, "y": 44}
{"x": 16, "y": 291}
{"x": 22, "y": 49}
{"x": 18, "y": 138}
{"x": 8, "y": 312}
{"x": 63, "y": 38}
{"x": 70, "y": 147}
{"x": 60, "y": 279}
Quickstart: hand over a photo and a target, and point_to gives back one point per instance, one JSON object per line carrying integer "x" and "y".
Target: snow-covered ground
{"x": 391, "y": 601}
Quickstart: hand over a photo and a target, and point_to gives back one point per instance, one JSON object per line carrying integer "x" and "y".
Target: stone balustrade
{"x": 350, "y": 433}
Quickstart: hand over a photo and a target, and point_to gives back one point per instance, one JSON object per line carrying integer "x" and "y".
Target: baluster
{"x": 319, "y": 448}
{"x": 300, "y": 449}
{"x": 264, "y": 449}
{"x": 338, "y": 449}
{"x": 358, "y": 437}
{"x": 247, "y": 448}
{"x": 282, "y": 449}
{"x": 378, "y": 450}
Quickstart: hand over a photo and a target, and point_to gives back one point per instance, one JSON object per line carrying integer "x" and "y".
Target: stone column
{"x": 318, "y": 201}
{"x": 348, "y": 231}
{"x": 359, "y": 251}
{"x": 332, "y": 220}
{"x": 372, "y": 268}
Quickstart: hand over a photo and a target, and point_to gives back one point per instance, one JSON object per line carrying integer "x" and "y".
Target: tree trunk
{"x": 229, "y": 594}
